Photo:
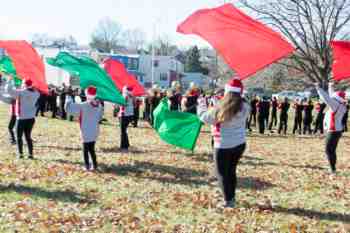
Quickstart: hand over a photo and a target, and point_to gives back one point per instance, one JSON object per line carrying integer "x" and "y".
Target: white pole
{"x": 153, "y": 52}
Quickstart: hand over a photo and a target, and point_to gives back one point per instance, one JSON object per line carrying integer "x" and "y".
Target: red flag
{"x": 341, "y": 58}
{"x": 27, "y": 62}
{"x": 122, "y": 77}
{"x": 246, "y": 45}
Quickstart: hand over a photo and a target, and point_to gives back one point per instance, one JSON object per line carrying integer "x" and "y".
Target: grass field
{"x": 284, "y": 185}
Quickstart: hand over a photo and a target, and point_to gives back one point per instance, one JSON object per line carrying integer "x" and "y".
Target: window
{"x": 155, "y": 63}
{"x": 163, "y": 77}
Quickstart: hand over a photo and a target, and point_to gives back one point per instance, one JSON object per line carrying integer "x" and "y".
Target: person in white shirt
{"x": 89, "y": 113}
{"x": 228, "y": 120}
{"x": 333, "y": 121}
{"x": 26, "y": 99}
{"x": 126, "y": 116}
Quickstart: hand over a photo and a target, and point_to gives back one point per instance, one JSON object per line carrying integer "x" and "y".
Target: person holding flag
{"x": 89, "y": 114}
{"x": 12, "y": 122}
{"x": 26, "y": 99}
{"x": 126, "y": 116}
{"x": 333, "y": 121}
{"x": 229, "y": 122}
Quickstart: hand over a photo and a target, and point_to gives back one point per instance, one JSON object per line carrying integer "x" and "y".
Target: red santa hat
{"x": 28, "y": 83}
{"x": 340, "y": 96}
{"x": 235, "y": 85}
{"x": 127, "y": 90}
{"x": 91, "y": 92}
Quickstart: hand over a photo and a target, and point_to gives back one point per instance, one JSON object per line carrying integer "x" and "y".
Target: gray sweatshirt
{"x": 336, "y": 111}
{"x": 25, "y": 101}
{"x": 89, "y": 117}
{"x": 228, "y": 134}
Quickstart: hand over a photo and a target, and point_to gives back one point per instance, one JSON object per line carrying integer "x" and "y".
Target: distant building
{"x": 199, "y": 79}
{"x": 166, "y": 69}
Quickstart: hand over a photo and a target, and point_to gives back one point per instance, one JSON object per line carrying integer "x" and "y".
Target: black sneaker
{"x": 30, "y": 157}
{"x": 19, "y": 156}
{"x": 230, "y": 204}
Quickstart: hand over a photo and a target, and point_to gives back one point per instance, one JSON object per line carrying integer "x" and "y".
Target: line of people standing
{"x": 308, "y": 117}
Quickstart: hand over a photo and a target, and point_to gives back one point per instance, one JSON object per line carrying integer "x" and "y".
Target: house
{"x": 201, "y": 80}
{"x": 166, "y": 69}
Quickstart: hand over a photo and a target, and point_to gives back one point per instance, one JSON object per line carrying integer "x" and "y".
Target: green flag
{"x": 90, "y": 73}
{"x": 176, "y": 128}
{"x": 7, "y": 66}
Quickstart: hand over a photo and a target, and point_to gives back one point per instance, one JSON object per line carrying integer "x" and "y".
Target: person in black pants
{"x": 298, "y": 116}
{"x": 137, "y": 104}
{"x": 263, "y": 107}
{"x": 308, "y": 108}
{"x": 226, "y": 161}
{"x": 11, "y": 127}
{"x": 345, "y": 118}
{"x": 252, "y": 117}
{"x": 52, "y": 102}
{"x": 126, "y": 116}
{"x": 41, "y": 105}
{"x": 320, "y": 108}
{"x": 63, "y": 95}
{"x": 284, "y": 108}
{"x": 89, "y": 148}
{"x": 25, "y": 112}
{"x": 274, "y": 106}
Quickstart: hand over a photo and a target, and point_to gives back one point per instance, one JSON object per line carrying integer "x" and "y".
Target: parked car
{"x": 291, "y": 95}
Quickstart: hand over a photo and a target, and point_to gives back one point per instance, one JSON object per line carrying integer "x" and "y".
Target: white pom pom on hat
{"x": 235, "y": 85}
{"x": 91, "y": 92}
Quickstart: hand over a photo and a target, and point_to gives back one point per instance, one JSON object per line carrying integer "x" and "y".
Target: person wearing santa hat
{"x": 26, "y": 99}
{"x": 89, "y": 114}
{"x": 333, "y": 121}
{"x": 126, "y": 116}
{"x": 228, "y": 119}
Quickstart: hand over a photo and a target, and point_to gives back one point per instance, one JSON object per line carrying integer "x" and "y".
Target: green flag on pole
{"x": 90, "y": 73}
{"x": 176, "y": 128}
{"x": 6, "y": 66}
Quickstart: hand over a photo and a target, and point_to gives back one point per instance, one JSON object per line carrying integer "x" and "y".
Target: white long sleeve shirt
{"x": 89, "y": 117}
{"x": 228, "y": 134}
{"x": 336, "y": 111}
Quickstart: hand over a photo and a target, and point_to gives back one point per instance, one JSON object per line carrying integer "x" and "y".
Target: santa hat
{"x": 28, "y": 83}
{"x": 91, "y": 92}
{"x": 127, "y": 90}
{"x": 235, "y": 85}
{"x": 340, "y": 96}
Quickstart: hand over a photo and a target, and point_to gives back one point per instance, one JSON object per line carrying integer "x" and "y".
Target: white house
{"x": 201, "y": 80}
{"x": 166, "y": 69}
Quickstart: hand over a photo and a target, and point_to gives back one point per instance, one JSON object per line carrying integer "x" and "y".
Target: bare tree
{"x": 134, "y": 39}
{"x": 106, "y": 36}
{"x": 163, "y": 46}
{"x": 310, "y": 25}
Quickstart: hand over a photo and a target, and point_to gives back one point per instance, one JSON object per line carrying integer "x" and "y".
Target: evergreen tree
{"x": 193, "y": 63}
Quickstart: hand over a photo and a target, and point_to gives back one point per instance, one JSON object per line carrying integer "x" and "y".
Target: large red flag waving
{"x": 27, "y": 62}
{"x": 341, "y": 60}
{"x": 246, "y": 44}
{"x": 122, "y": 77}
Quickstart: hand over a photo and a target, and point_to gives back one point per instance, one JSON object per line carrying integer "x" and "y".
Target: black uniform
{"x": 52, "y": 102}
{"x": 191, "y": 104}
{"x": 320, "y": 117}
{"x": 263, "y": 113}
{"x": 308, "y": 108}
{"x": 298, "y": 118}
{"x": 345, "y": 118}
{"x": 274, "y": 106}
{"x": 284, "y": 108}
{"x": 252, "y": 116}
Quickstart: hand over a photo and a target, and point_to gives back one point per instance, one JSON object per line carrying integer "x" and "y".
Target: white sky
{"x": 19, "y": 19}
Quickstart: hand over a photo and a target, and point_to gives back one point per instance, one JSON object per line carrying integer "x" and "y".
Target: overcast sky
{"x": 19, "y": 19}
